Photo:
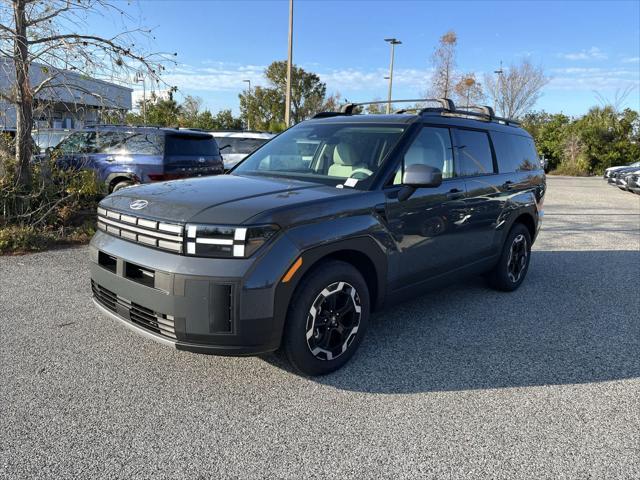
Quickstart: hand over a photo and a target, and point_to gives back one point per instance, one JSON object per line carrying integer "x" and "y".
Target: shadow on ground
{"x": 576, "y": 319}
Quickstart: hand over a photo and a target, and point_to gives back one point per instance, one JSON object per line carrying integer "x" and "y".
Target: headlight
{"x": 226, "y": 241}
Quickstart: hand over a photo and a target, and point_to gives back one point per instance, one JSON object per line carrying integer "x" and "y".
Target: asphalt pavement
{"x": 460, "y": 383}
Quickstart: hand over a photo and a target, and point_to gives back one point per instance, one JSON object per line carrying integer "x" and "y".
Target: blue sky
{"x": 584, "y": 46}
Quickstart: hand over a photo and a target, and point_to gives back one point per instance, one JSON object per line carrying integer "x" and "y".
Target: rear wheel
{"x": 327, "y": 319}
{"x": 513, "y": 265}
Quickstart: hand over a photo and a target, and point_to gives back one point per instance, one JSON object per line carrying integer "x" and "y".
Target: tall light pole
{"x": 499, "y": 86}
{"x": 140, "y": 78}
{"x": 248, "y": 117}
{"x": 287, "y": 102}
{"x": 393, "y": 42}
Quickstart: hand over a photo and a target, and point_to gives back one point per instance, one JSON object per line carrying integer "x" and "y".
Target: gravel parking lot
{"x": 461, "y": 383}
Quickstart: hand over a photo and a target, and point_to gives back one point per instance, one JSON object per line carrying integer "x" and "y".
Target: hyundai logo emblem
{"x": 138, "y": 204}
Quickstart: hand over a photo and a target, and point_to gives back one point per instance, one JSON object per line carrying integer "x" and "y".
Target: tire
{"x": 332, "y": 289}
{"x": 121, "y": 184}
{"x": 511, "y": 271}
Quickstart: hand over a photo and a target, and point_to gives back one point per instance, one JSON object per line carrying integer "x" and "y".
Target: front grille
{"x": 156, "y": 322}
{"x": 151, "y": 233}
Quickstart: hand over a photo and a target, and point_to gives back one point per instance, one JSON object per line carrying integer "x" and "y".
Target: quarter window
{"x": 431, "y": 147}
{"x": 474, "y": 153}
{"x": 515, "y": 153}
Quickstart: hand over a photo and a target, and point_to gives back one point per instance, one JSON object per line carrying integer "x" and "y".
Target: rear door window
{"x": 128, "y": 143}
{"x": 191, "y": 145}
{"x": 515, "y": 153}
{"x": 474, "y": 153}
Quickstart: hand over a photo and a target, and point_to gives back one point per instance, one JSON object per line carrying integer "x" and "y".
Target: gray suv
{"x": 339, "y": 216}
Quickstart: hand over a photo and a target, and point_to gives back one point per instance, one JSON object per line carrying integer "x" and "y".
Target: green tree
{"x": 608, "y": 137}
{"x": 550, "y": 132}
{"x": 160, "y": 112}
{"x": 263, "y": 107}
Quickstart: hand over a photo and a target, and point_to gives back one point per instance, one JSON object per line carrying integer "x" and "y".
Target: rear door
{"x": 477, "y": 165}
{"x": 187, "y": 154}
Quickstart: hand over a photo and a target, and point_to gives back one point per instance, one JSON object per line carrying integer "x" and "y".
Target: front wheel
{"x": 327, "y": 319}
{"x": 513, "y": 265}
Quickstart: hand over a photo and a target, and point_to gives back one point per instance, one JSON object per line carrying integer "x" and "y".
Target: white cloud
{"x": 352, "y": 79}
{"x": 228, "y": 77}
{"x": 594, "y": 53}
{"x": 630, "y": 59}
{"x": 593, "y": 78}
{"x": 215, "y": 77}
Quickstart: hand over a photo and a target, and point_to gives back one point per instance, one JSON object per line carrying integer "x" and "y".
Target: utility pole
{"x": 393, "y": 42}
{"x": 248, "y": 118}
{"x": 287, "y": 103}
{"x": 140, "y": 78}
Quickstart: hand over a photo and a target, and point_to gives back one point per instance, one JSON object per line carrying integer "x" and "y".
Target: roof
{"x": 242, "y": 134}
{"x": 148, "y": 128}
{"x": 446, "y": 113}
{"x": 88, "y": 91}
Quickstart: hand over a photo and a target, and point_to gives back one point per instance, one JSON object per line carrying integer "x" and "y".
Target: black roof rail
{"x": 484, "y": 109}
{"x": 329, "y": 114}
{"x": 447, "y": 107}
{"x": 445, "y": 103}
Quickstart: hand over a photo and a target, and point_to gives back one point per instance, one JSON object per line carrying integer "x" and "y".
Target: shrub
{"x": 58, "y": 206}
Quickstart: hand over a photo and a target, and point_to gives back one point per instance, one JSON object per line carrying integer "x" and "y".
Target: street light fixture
{"x": 393, "y": 42}
{"x": 248, "y": 121}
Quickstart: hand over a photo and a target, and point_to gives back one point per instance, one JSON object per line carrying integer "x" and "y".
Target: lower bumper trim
{"x": 241, "y": 350}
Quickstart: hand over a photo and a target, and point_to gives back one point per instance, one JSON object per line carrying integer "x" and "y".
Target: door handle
{"x": 455, "y": 194}
{"x": 508, "y": 185}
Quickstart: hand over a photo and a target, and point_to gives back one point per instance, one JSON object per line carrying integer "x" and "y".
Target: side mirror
{"x": 419, "y": 176}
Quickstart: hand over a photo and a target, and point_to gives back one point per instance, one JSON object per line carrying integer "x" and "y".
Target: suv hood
{"x": 224, "y": 199}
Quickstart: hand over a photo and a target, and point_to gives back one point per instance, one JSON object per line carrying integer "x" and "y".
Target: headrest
{"x": 344, "y": 154}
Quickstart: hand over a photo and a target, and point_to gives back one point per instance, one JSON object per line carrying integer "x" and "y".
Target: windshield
{"x": 332, "y": 153}
{"x": 239, "y": 145}
{"x": 188, "y": 145}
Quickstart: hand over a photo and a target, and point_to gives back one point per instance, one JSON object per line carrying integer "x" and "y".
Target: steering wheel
{"x": 361, "y": 172}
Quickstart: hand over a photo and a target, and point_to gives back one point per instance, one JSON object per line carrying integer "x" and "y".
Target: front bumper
{"x": 196, "y": 304}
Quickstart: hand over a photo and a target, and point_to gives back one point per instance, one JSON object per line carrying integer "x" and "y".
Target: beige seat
{"x": 345, "y": 161}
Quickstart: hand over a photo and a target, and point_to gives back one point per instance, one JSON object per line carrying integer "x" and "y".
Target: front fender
{"x": 313, "y": 242}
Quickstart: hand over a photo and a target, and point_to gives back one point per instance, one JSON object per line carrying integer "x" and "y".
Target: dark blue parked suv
{"x": 124, "y": 155}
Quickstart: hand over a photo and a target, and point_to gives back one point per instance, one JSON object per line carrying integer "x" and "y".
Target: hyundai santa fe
{"x": 337, "y": 217}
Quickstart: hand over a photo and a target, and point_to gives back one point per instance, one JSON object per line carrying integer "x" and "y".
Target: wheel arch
{"x": 364, "y": 253}
{"x": 114, "y": 178}
{"x": 526, "y": 219}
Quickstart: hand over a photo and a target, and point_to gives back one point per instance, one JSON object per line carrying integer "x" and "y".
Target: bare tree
{"x": 516, "y": 91}
{"x": 444, "y": 63}
{"x": 468, "y": 90}
{"x": 618, "y": 100}
{"x": 50, "y": 37}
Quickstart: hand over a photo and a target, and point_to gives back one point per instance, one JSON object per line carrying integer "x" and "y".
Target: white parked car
{"x": 236, "y": 145}
{"x": 610, "y": 170}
